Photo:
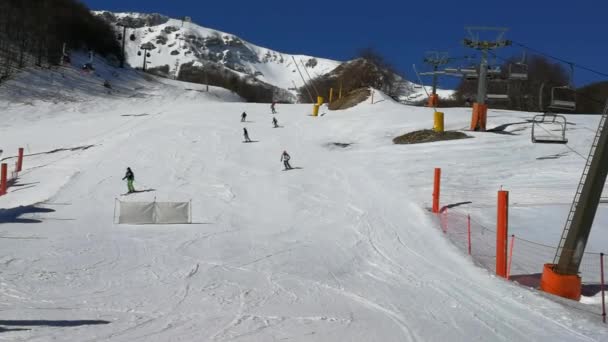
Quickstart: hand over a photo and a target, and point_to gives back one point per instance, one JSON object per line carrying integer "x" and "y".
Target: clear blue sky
{"x": 401, "y": 30}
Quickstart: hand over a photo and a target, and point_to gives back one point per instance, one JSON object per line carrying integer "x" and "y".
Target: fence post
{"x": 510, "y": 256}
{"x": 502, "y": 230}
{"x": 469, "y": 232}
{"x": 603, "y": 300}
{"x": 372, "y": 96}
{"x": 20, "y": 160}
{"x": 3, "y": 178}
{"x": 436, "y": 190}
{"x": 444, "y": 217}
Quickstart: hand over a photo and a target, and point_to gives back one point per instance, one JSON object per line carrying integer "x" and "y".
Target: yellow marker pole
{"x": 331, "y": 94}
{"x": 438, "y": 125}
{"x": 320, "y": 100}
{"x": 340, "y": 93}
{"x": 315, "y": 110}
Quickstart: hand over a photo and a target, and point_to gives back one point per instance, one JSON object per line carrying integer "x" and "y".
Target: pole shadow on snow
{"x": 13, "y": 215}
{"x": 252, "y": 141}
{"x": 135, "y": 115}
{"x": 453, "y": 205}
{"x": 139, "y": 191}
{"x": 501, "y": 129}
{"x": 46, "y": 323}
{"x": 294, "y": 168}
{"x": 14, "y": 183}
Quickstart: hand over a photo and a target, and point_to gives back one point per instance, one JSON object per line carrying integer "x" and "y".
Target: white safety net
{"x": 154, "y": 212}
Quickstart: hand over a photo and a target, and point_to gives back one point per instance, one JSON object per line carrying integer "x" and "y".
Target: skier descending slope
{"x": 243, "y": 117}
{"x": 130, "y": 177}
{"x": 285, "y": 159}
{"x": 246, "y": 135}
{"x": 272, "y": 107}
{"x": 275, "y": 122}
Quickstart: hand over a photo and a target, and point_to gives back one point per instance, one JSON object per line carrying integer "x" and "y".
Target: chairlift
{"x": 498, "y": 90}
{"x": 563, "y": 98}
{"x": 494, "y": 71}
{"x": 518, "y": 71}
{"x": 469, "y": 73}
{"x": 547, "y": 123}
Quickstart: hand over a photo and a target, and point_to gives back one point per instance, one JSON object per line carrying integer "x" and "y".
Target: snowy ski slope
{"x": 340, "y": 250}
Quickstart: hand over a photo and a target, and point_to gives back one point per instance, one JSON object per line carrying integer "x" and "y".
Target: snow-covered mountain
{"x": 175, "y": 42}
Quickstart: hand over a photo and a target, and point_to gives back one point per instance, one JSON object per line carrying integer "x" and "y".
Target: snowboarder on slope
{"x": 272, "y": 107}
{"x": 285, "y": 159}
{"x": 130, "y": 177}
{"x": 246, "y": 135}
{"x": 243, "y": 117}
{"x": 275, "y": 122}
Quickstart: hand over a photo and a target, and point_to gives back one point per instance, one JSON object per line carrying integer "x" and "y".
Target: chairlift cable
{"x": 578, "y": 94}
{"x": 572, "y": 64}
{"x": 422, "y": 84}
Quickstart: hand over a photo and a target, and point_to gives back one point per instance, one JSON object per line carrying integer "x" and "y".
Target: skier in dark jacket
{"x": 246, "y": 135}
{"x": 130, "y": 177}
{"x": 275, "y": 122}
{"x": 285, "y": 159}
{"x": 272, "y": 107}
{"x": 243, "y": 117}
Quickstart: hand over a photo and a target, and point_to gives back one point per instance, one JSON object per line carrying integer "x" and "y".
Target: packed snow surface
{"x": 341, "y": 249}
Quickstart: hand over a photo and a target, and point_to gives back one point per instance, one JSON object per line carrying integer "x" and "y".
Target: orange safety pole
{"x": 469, "y": 231}
{"x": 20, "y": 160}
{"x": 436, "y": 190}
{"x": 510, "y": 255}
{"x": 502, "y": 230}
{"x": 3, "y": 178}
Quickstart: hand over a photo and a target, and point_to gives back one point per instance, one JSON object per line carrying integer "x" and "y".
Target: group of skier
{"x": 285, "y": 157}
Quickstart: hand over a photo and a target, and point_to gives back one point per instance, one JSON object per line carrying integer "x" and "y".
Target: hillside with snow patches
{"x": 342, "y": 248}
{"x": 176, "y": 42}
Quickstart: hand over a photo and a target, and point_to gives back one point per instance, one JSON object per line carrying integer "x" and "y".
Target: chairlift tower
{"x": 147, "y": 47}
{"x": 435, "y": 59}
{"x": 561, "y": 277}
{"x": 123, "y": 37}
{"x": 475, "y": 41}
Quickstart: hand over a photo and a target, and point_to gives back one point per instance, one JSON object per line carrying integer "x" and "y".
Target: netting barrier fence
{"x": 525, "y": 258}
{"x": 152, "y": 212}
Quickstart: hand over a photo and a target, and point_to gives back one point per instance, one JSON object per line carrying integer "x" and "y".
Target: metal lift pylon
{"x": 561, "y": 277}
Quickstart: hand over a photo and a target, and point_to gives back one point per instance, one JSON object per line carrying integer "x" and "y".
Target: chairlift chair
{"x": 469, "y": 73}
{"x": 518, "y": 71}
{"x": 563, "y": 98}
{"x": 498, "y": 91}
{"x": 494, "y": 71}
{"x": 544, "y": 135}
